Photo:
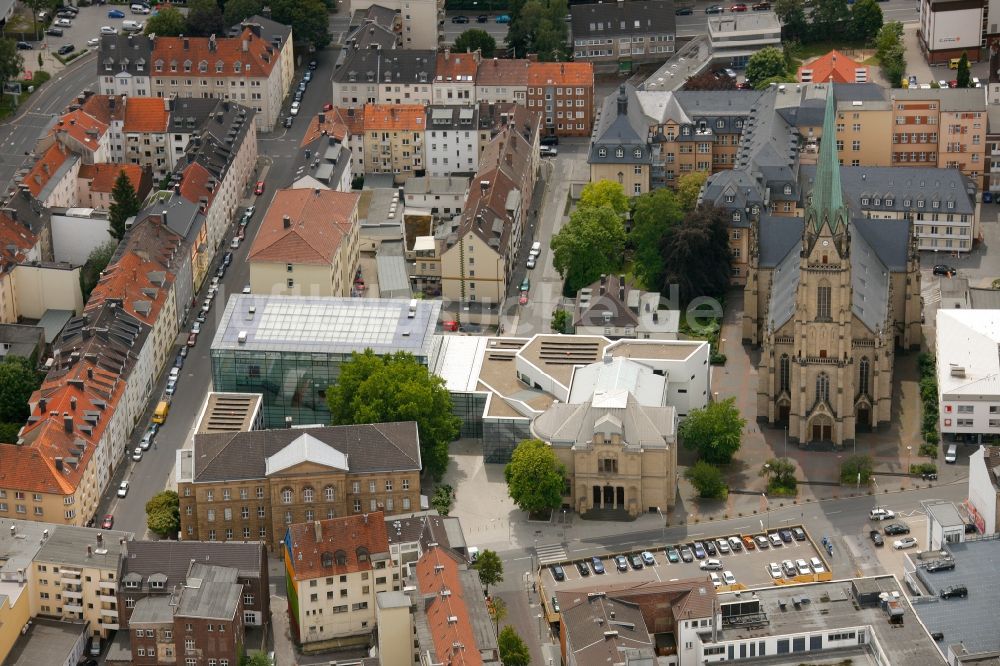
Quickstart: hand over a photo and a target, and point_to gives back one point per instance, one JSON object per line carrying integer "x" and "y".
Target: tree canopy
{"x": 513, "y": 650}
{"x": 537, "y": 26}
{"x": 97, "y": 261}
{"x": 696, "y": 255}
{"x": 535, "y": 477}
{"x": 397, "y": 387}
{"x": 18, "y": 380}
{"x": 124, "y": 204}
{"x": 689, "y": 187}
{"x": 707, "y": 80}
{"x": 866, "y": 20}
{"x": 963, "y": 77}
{"x": 604, "y": 193}
{"x": 707, "y": 480}
{"x": 780, "y": 475}
{"x": 238, "y": 10}
{"x": 309, "y": 20}
{"x": 890, "y": 52}
{"x": 765, "y": 64}
{"x": 474, "y": 39}
{"x": 490, "y": 569}
{"x": 653, "y": 215}
{"x": 830, "y": 18}
{"x": 561, "y": 321}
{"x": 163, "y": 514}
{"x": 168, "y": 22}
{"x": 204, "y": 18}
{"x": 11, "y": 62}
{"x": 714, "y": 431}
{"x": 592, "y": 243}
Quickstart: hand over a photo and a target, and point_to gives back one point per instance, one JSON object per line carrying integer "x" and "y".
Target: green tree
{"x": 653, "y": 215}
{"x": 963, "y": 77}
{"x": 592, "y": 243}
{"x": 866, "y": 20}
{"x": 604, "y": 193}
{"x": 696, "y": 255}
{"x": 539, "y": 27}
{"x": 513, "y": 651}
{"x": 36, "y": 6}
{"x": 714, "y": 431}
{"x": 830, "y": 18}
{"x": 163, "y": 514}
{"x": 707, "y": 480}
{"x": 780, "y": 475}
{"x": 534, "y": 476}
{"x": 397, "y": 387}
{"x": 442, "y": 499}
{"x": 890, "y": 52}
{"x": 168, "y": 22}
{"x": 124, "y": 204}
{"x": 255, "y": 659}
{"x": 497, "y": 609}
{"x": 308, "y": 18}
{"x": 97, "y": 261}
{"x": 560, "y": 321}
{"x": 854, "y": 466}
{"x": 11, "y": 62}
{"x": 765, "y": 64}
{"x": 204, "y": 18}
{"x": 490, "y": 569}
{"x": 689, "y": 187}
{"x": 18, "y": 380}
{"x": 475, "y": 39}
{"x": 238, "y": 10}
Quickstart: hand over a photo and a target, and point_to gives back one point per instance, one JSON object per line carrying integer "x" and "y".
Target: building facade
{"x": 617, "y": 37}
{"x": 451, "y": 141}
{"x": 394, "y": 139}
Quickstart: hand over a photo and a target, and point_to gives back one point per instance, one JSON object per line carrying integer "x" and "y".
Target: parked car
{"x": 313, "y": 63}
{"x": 558, "y": 573}
{"x": 798, "y": 534}
{"x": 621, "y": 563}
{"x": 951, "y": 454}
{"x": 738, "y": 8}
{"x": 598, "y": 566}
{"x": 647, "y": 558}
{"x": 503, "y": 18}
{"x": 192, "y": 339}
{"x": 714, "y": 9}
{"x": 93, "y": 41}
{"x": 530, "y": 263}
{"x": 555, "y": 605}
{"x": 803, "y": 567}
{"x": 259, "y": 188}
{"x": 549, "y": 140}
{"x": 817, "y": 565}
{"x": 728, "y": 578}
{"x": 294, "y": 109}
{"x": 774, "y": 539}
{"x": 108, "y": 30}
{"x": 762, "y": 542}
{"x": 683, "y": 11}
{"x": 548, "y": 151}
{"x": 761, "y": 6}
{"x": 482, "y": 18}
{"x": 523, "y": 298}
{"x": 788, "y": 567}
{"x": 635, "y": 561}
{"x": 879, "y": 513}
{"x": 582, "y": 567}
{"x": 227, "y": 258}
{"x": 66, "y": 49}
{"x": 716, "y": 581}
{"x": 710, "y": 548}
{"x": 774, "y": 570}
{"x": 686, "y": 554}
{"x": 736, "y": 544}
{"x": 895, "y": 529}
{"x": 672, "y": 555}
{"x": 24, "y": 46}
{"x": 954, "y": 591}
{"x": 171, "y": 387}
{"x": 940, "y": 565}
{"x": 723, "y": 546}
{"x": 905, "y": 542}
{"x": 748, "y": 542}
{"x": 460, "y": 19}
{"x": 64, "y": 22}
{"x": 137, "y": 454}
{"x": 942, "y": 269}
{"x": 710, "y": 565}
{"x": 108, "y": 522}
{"x": 786, "y": 535}
{"x": 122, "y": 489}
{"x": 699, "y": 550}
{"x": 147, "y": 441}
{"x": 876, "y": 538}
{"x": 116, "y": 13}
{"x": 54, "y": 32}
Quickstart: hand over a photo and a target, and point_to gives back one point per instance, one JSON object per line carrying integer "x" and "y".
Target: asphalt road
{"x": 279, "y": 164}
{"x": 451, "y": 31}
{"x": 697, "y": 23}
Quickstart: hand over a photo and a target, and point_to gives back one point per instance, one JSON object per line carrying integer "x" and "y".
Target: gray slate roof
{"x": 210, "y": 592}
{"x": 784, "y": 285}
{"x": 869, "y": 284}
{"x": 778, "y": 235}
{"x": 565, "y": 424}
{"x": 904, "y": 188}
{"x": 173, "y": 559}
{"x": 622, "y": 125}
{"x": 154, "y": 609}
{"x": 622, "y": 19}
{"x": 124, "y": 53}
{"x": 734, "y": 191}
{"x": 372, "y": 447}
{"x": 413, "y": 66}
{"x": 949, "y": 99}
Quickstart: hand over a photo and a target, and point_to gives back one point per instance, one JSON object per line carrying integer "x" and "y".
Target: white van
{"x": 132, "y": 26}
{"x": 952, "y": 454}
{"x": 139, "y": 9}
{"x": 536, "y": 248}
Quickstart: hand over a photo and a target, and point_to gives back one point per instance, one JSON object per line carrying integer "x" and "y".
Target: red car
{"x": 108, "y": 522}
{"x": 192, "y": 339}
{"x": 328, "y": 107}
{"x": 259, "y": 189}
{"x": 953, "y": 83}
{"x": 738, "y": 8}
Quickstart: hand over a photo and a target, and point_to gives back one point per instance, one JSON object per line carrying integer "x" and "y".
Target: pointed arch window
{"x": 784, "y": 373}
{"x": 823, "y": 387}
{"x": 864, "y": 376}
{"x": 823, "y": 300}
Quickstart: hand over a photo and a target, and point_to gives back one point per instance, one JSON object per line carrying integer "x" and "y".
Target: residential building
{"x": 949, "y": 29}
{"x": 616, "y": 309}
{"x": 983, "y": 503}
{"x": 50, "y": 641}
{"x": 307, "y": 244}
{"x": 373, "y": 76}
{"x": 381, "y": 213}
{"x": 153, "y": 570}
{"x": 339, "y": 566}
{"x": 969, "y": 406}
{"x": 95, "y": 183}
{"x": 189, "y": 116}
{"x": 19, "y": 245}
{"x": 52, "y": 179}
{"x": 420, "y": 20}
{"x": 455, "y": 77}
{"x": 833, "y": 67}
{"x": 502, "y": 80}
{"x": 176, "y": 215}
{"x": 451, "y": 141}
{"x": 145, "y": 131}
{"x": 422, "y": 252}
{"x": 375, "y": 27}
{"x": 733, "y": 38}
{"x": 253, "y": 68}
{"x": 123, "y": 65}
{"x": 565, "y": 92}
{"x": 992, "y": 184}
{"x": 492, "y": 223}
{"x": 343, "y": 127}
{"x": 620, "y": 151}
{"x": 394, "y": 139}
{"x": 617, "y": 37}
{"x": 443, "y": 197}
{"x": 810, "y": 301}
{"x": 235, "y": 486}
{"x": 22, "y": 340}
{"x": 486, "y": 378}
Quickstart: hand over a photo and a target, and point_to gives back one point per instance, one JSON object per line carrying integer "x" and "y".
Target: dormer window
{"x": 620, "y": 153}
{"x": 173, "y": 65}
{"x": 156, "y": 584}
{"x": 755, "y": 209}
{"x": 686, "y": 131}
{"x": 720, "y": 123}
{"x": 187, "y": 65}
{"x": 920, "y": 203}
{"x": 906, "y": 203}
{"x": 951, "y": 205}
{"x": 219, "y": 66}
{"x": 739, "y": 124}
{"x": 158, "y": 65}
{"x": 864, "y": 201}
{"x": 237, "y": 66}
{"x": 935, "y": 204}
{"x": 788, "y": 190}
{"x": 878, "y": 202}
{"x": 736, "y": 216}
{"x": 132, "y": 584}
{"x": 637, "y": 153}
{"x": 602, "y": 152}
{"x": 203, "y": 66}
{"x": 888, "y": 202}
{"x": 730, "y": 198}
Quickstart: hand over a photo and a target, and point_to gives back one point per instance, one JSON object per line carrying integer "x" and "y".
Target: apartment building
{"x": 236, "y": 486}
{"x": 501, "y": 81}
{"x": 565, "y": 92}
{"x": 420, "y": 20}
{"x": 734, "y": 37}
{"x": 479, "y": 256}
{"x": 949, "y": 29}
{"x": 343, "y": 127}
{"x": 95, "y": 183}
{"x": 394, "y": 139}
{"x": 335, "y": 569}
{"x": 53, "y": 177}
{"x": 145, "y": 132}
{"x": 968, "y": 406}
{"x": 451, "y": 141}
{"x": 307, "y": 244}
{"x": 123, "y": 65}
{"x": 253, "y": 68}
{"x": 375, "y": 27}
{"x": 373, "y": 76}
{"x": 455, "y": 77}
{"x": 18, "y": 244}
{"x": 617, "y": 37}
{"x": 616, "y": 308}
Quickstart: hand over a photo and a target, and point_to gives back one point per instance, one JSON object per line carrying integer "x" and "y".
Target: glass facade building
{"x": 290, "y": 348}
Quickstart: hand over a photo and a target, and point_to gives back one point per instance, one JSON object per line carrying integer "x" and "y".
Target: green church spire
{"x": 827, "y": 204}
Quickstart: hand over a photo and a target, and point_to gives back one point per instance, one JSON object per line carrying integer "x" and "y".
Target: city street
{"x": 451, "y": 31}
{"x": 904, "y": 11}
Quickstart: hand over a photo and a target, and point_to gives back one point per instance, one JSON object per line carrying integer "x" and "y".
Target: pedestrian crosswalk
{"x": 931, "y": 293}
{"x": 550, "y": 554}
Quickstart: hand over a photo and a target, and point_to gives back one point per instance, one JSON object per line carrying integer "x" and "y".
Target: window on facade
{"x": 286, "y": 496}
{"x": 823, "y": 387}
{"x": 823, "y": 301}
{"x": 308, "y": 495}
{"x": 329, "y": 494}
{"x": 608, "y": 465}
{"x": 784, "y": 373}
{"x": 864, "y": 374}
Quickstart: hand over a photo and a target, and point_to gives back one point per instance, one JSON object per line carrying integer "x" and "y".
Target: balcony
{"x": 72, "y": 594}
{"x": 110, "y": 626}
{"x": 108, "y": 598}
{"x": 108, "y": 585}
{"x": 109, "y": 612}
{"x": 72, "y": 608}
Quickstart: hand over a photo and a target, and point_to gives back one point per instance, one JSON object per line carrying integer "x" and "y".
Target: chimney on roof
{"x": 447, "y": 53}
{"x": 286, "y": 222}
{"x": 67, "y": 422}
{"x": 163, "y": 216}
{"x": 100, "y": 538}
{"x": 43, "y": 405}
{"x": 72, "y": 404}
{"x": 246, "y": 45}
{"x": 318, "y": 530}
{"x": 177, "y": 188}
{"x": 211, "y": 42}
{"x": 622, "y": 100}
{"x": 59, "y": 468}
{"x": 365, "y": 517}
{"x": 90, "y": 373}
{"x": 322, "y": 118}
{"x": 111, "y": 103}
{"x": 90, "y": 551}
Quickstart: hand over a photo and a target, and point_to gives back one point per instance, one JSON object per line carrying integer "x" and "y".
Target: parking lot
{"x": 749, "y": 566}
{"x": 84, "y": 28}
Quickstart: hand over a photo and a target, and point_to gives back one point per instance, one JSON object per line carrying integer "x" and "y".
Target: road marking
{"x": 833, "y": 513}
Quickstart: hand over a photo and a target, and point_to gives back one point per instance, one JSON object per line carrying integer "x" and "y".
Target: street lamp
{"x": 785, "y": 454}
{"x": 908, "y": 450}
{"x": 663, "y": 525}
{"x": 767, "y": 508}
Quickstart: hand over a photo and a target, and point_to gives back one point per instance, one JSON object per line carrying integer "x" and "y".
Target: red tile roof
{"x": 195, "y": 184}
{"x": 14, "y": 235}
{"x": 836, "y": 65}
{"x": 104, "y": 107}
{"x": 395, "y": 117}
{"x": 83, "y": 127}
{"x": 448, "y": 615}
{"x": 257, "y": 61}
{"x": 45, "y": 167}
{"x": 342, "y": 539}
{"x": 457, "y": 66}
{"x": 336, "y": 123}
{"x": 131, "y": 279}
{"x": 319, "y": 221}
{"x": 561, "y": 73}
{"x": 102, "y": 176}
{"x": 500, "y": 71}
{"x": 146, "y": 114}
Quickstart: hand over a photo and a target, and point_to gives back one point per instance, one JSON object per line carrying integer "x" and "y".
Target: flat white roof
{"x": 968, "y": 352}
{"x": 460, "y": 360}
